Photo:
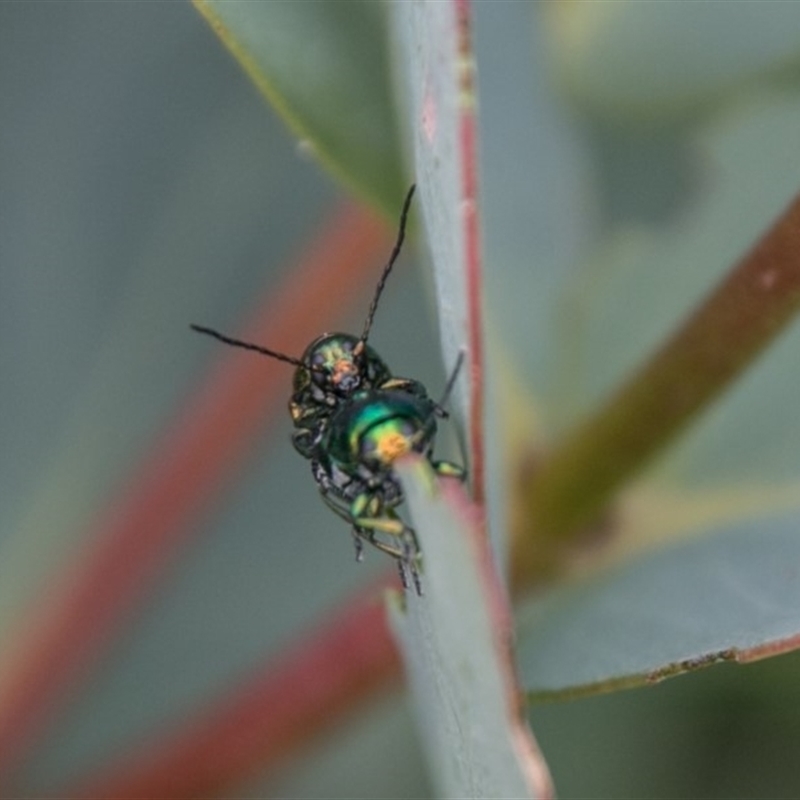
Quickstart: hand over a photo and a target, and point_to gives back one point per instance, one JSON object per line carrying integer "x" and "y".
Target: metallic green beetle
{"x": 353, "y": 419}
{"x": 336, "y": 365}
{"x": 361, "y": 443}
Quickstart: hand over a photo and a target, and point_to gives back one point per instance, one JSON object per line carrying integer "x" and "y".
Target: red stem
{"x": 733, "y": 325}
{"x": 188, "y": 468}
{"x": 349, "y": 657}
{"x": 468, "y": 145}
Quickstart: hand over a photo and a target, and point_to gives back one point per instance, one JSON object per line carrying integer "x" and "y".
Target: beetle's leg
{"x": 405, "y": 385}
{"x": 307, "y": 441}
{"x": 305, "y": 410}
{"x": 447, "y": 469}
{"x": 299, "y": 408}
{"x": 368, "y": 518}
{"x": 407, "y": 551}
{"x": 407, "y": 554}
{"x": 401, "y": 568}
{"x": 367, "y": 536}
{"x": 333, "y": 504}
{"x": 368, "y": 507}
{"x": 359, "y": 544}
{"x": 359, "y": 534}
{"x": 387, "y": 525}
{"x": 323, "y": 478}
{"x": 364, "y": 528}
{"x": 411, "y": 559}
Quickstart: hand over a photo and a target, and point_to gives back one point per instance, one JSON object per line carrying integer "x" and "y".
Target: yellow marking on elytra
{"x": 391, "y": 446}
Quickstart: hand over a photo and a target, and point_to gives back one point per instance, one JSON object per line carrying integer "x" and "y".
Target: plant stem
{"x": 569, "y": 488}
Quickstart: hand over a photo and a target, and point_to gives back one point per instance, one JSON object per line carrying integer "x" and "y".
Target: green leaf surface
{"x": 539, "y": 204}
{"x": 653, "y": 59}
{"x": 455, "y": 642}
{"x": 324, "y": 67}
{"x": 733, "y": 594}
{"x": 439, "y": 93}
{"x": 455, "y": 639}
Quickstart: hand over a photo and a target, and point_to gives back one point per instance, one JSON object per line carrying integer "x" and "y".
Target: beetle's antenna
{"x": 248, "y": 346}
{"x": 451, "y": 381}
{"x": 401, "y": 235}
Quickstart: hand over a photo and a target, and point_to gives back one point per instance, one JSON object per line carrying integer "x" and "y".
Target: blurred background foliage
{"x": 145, "y": 185}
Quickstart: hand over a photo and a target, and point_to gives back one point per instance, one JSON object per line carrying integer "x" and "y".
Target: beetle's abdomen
{"x": 377, "y": 427}
{"x": 384, "y": 443}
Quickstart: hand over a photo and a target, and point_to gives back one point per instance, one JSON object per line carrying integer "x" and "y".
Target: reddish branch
{"x": 187, "y": 469}
{"x": 735, "y": 323}
{"x": 339, "y": 665}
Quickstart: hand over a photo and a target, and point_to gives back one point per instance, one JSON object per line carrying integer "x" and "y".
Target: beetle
{"x": 337, "y": 366}
{"x": 354, "y": 472}
{"x": 353, "y": 419}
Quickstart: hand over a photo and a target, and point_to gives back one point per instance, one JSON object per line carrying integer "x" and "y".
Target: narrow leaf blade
{"x": 324, "y": 67}
{"x": 733, "y": 595}
{"x": 455, "y": 642}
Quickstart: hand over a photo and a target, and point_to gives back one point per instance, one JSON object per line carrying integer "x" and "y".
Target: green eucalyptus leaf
{"x": 455, "y": 639}
{"x": 440, "y": 98}
{"x": 428, "y": 34}
{"x": 324, "y": 67}
{"x": 455, "y": 642}
{"x": 733, "y": 594}
{"x": 656, "y": 59}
